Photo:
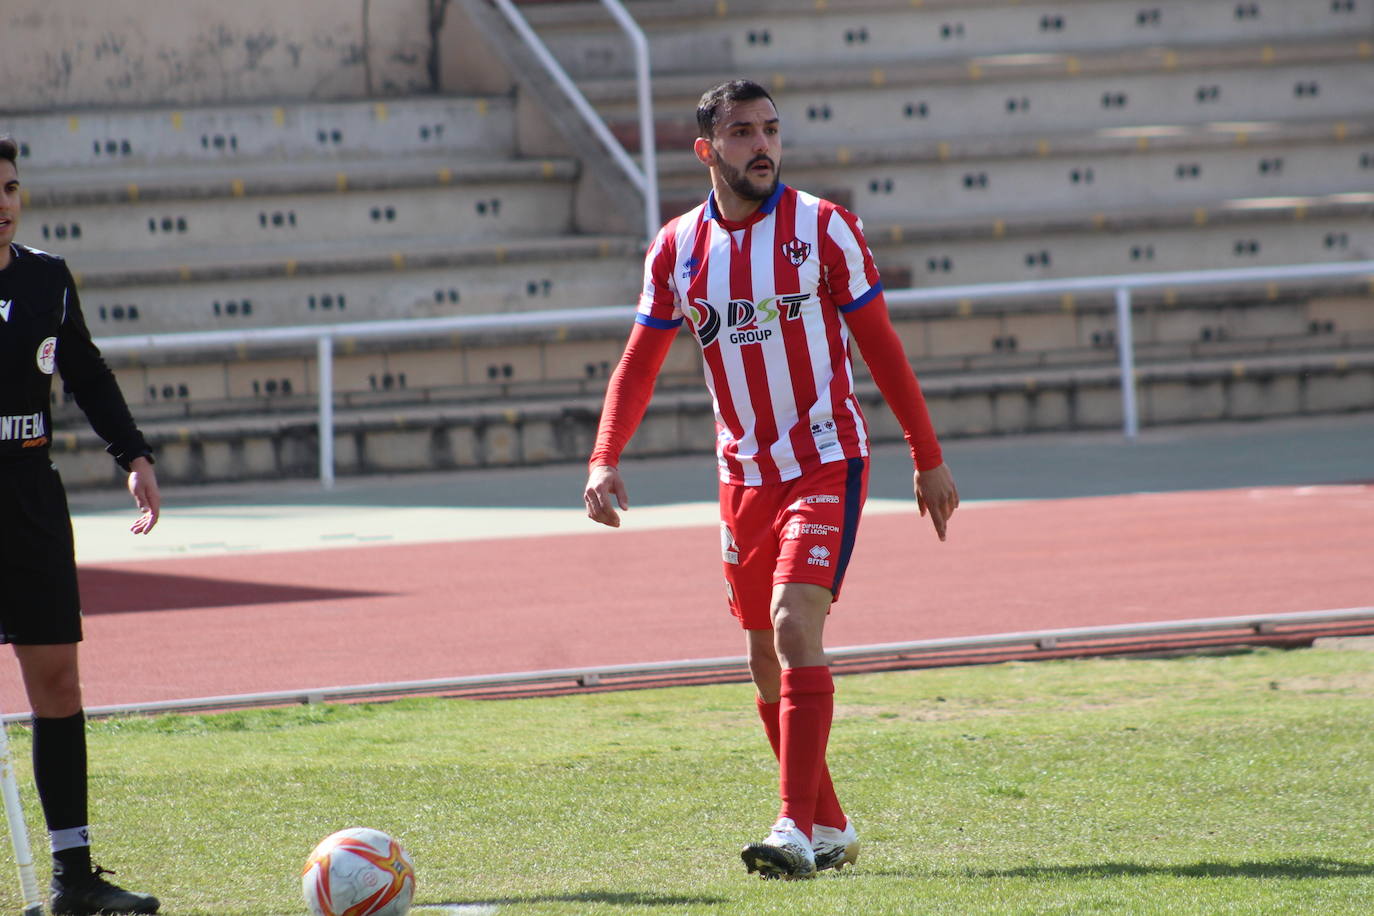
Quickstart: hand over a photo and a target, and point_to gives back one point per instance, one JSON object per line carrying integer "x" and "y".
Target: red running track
{"x": 180, "y": 628}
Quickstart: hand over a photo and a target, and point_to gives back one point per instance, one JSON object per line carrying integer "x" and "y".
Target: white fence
{"x": 610, "y": 316}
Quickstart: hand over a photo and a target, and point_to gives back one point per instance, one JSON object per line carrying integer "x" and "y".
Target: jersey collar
{"x": 765, "y": 209}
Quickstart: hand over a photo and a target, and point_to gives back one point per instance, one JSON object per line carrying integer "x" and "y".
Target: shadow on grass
{"x": 614, "y": 897}
{"x": 1282, "y": 868}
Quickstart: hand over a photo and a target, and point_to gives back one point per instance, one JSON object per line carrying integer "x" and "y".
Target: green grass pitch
{"x": 1236, "y": 784}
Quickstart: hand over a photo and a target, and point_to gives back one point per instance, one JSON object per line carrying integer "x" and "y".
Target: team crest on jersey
{"x": 797, "y": 251}
{"x": 47, "y": 356}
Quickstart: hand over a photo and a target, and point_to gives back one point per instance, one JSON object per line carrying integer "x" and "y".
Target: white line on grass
{"x": 467, "y": 909}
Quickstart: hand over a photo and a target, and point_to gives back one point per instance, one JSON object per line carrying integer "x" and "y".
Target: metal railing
{"x": 1076, "y": 642}
{"x": 645, "y": 178}
{"x": 1122, "y": 286}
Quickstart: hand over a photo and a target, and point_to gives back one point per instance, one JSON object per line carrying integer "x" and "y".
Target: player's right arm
{"x": 632, "y": 383}
{"x": 627, "y": 398}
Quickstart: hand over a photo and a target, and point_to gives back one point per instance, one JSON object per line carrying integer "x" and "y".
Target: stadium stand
{"x": 980, "y": 141}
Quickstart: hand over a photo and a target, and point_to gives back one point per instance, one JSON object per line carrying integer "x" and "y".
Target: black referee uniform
{"x": 42, "y": 331}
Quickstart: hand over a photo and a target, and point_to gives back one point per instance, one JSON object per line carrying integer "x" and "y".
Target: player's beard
{"x": 739, "y": 181}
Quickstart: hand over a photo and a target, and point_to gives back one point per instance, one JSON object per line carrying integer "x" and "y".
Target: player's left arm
{"x": 853, "y": 279}
{"x": 88, "y": 379}
{"x": 882, "y": 349}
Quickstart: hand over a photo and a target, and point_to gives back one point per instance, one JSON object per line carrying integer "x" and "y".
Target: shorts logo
{"x": 796, "y": 251}
{"x": 47, "y": 356}
{"x": 729, "y": 550}
{"x": 811, "y": 500}
{"x": 820, "y": 556}
{"x": 797, "y": 528}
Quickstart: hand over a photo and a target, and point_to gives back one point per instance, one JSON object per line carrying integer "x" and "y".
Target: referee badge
{"x": 797, "y": 251}
{"x": 47, "y": 356}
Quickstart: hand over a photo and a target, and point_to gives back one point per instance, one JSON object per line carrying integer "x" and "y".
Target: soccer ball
{"x": 358, "y": 872}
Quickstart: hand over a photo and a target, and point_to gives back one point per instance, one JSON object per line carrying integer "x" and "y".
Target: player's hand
{"x": 143, "y": 488}
{"x": 936, "y": 494}
{"x": 601, "y": 483}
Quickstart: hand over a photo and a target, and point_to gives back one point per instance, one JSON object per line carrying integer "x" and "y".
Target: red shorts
{"x": 801, "y": 530}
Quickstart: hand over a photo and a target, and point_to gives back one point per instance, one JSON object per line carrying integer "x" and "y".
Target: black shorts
{"x": 41, "y": 605}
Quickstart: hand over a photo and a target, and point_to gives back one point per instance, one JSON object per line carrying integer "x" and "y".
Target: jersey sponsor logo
{"x": 729, "y": 550}
{"x": 5, "y": 305}
{"x": 27, "y": 426}
{"x": 753, "y": 335}
{"x": 820, "y": 556}
{"x": 47, "y": 356}
{"x": 743, "y": 317}
{"x": 796, "y": 251}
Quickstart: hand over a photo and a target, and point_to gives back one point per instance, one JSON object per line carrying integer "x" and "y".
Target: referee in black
{"x": 42, "y": 331}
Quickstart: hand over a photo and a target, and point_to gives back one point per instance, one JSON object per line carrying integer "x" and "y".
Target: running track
{"x": 208, "y": 625}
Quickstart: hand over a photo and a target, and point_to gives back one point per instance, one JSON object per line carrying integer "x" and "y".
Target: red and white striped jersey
{"x": 766, "y": 300}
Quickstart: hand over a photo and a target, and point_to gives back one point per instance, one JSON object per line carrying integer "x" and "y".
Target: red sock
{"x": 808, "y": 702}
{"x": 828, "y": 810}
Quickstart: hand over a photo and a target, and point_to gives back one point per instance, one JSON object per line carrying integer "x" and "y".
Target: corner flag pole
{"x": 19, "y": 831}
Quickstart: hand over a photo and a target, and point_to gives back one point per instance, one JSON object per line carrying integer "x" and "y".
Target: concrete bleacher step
{"x": 224, "y": 135}
{"x": 991, "y": 107}
{"x": 201, "y": 227}
{"x": 437, "y": 279}
{"x": 685, "y": 35}
{"x": 1123, "y": 243}
{"x": 808, "y": 76}
{"x": 1064, "y": 184}
{"x": 51, "y": 189}
{"x": 674, "y": 164}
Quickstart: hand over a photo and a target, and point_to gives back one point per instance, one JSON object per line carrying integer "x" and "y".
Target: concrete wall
{"x": 78, "y": 54}
{"x": 420, "y": 437}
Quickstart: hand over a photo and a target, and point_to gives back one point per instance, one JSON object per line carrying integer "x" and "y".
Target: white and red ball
{"x": 358, "y": 872}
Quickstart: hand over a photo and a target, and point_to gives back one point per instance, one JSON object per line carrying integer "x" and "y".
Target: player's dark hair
{"x": 713, "y": 101}
{"x": 9, "y": 151}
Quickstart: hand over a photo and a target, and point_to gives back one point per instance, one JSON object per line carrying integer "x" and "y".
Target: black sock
{"x": 71, "y": 863}
{"x": 59, "y": 772}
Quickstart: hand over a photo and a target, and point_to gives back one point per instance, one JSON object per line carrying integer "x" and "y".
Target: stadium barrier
{"x": 1293, "y": 629}
{"x": 610, "y": 317}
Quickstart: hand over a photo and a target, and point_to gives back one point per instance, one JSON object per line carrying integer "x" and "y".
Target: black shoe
{"x": 92, "y": 895}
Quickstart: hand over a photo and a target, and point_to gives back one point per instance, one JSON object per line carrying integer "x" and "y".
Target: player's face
{"x": 9, "y": 206}
{"x": 747, "y": 149}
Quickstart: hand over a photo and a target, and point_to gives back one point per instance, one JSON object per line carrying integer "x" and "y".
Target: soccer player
{"x": 774, "y": 282}
{"x": 42, "y": 331}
